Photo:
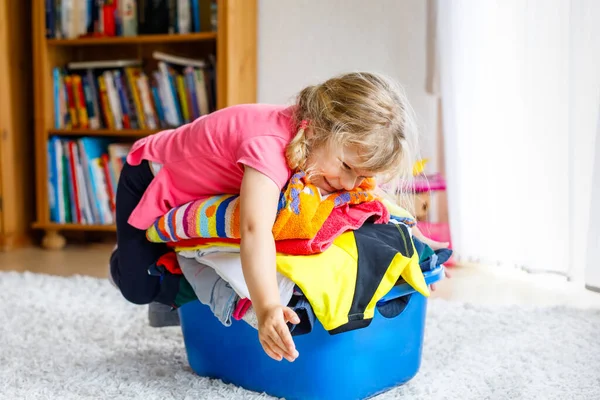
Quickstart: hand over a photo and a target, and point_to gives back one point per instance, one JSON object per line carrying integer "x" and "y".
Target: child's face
{"x": 334, "y": 169}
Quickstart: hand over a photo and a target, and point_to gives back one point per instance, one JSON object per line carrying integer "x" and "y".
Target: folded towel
{"x": 341, "y": 219}
{"x": 301, "y": 213}
{"x": 321, "y": 241}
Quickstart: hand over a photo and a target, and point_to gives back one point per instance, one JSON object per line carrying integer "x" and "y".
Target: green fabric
{"x": 186, "y": 293}
{"x": 427, "y": 252}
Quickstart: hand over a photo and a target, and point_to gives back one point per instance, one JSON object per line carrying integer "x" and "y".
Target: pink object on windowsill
{"x": 426, "y": 183}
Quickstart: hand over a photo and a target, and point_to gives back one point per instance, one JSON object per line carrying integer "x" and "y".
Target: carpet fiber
{"x": 76, "y": 338}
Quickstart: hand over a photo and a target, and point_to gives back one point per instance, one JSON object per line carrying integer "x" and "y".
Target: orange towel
{"x": 304, "y": 213}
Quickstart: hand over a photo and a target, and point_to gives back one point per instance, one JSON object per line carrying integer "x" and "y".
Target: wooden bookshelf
{"x": 233, "y": 44}
{"x": 16, "y": 125}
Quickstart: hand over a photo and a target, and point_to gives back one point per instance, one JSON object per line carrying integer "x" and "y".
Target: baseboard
{"x": 14, "y": 241}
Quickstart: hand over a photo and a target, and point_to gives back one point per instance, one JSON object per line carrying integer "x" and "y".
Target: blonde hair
{"x": 361, "y": 109}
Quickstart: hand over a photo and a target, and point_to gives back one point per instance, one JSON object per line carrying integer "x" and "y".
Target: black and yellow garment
{"x": 344, "y": 283}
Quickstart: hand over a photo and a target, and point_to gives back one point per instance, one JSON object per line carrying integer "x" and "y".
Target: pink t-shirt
{"x": 206, "y": 157}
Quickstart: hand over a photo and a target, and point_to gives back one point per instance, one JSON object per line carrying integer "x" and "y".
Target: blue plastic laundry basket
{"x": 351, "y": 365}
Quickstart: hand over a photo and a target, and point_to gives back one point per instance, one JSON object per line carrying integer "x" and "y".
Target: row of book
{"x": 82, "y": 179}
{"x": 69, "y": 19}
{"x": 121, "y": 95}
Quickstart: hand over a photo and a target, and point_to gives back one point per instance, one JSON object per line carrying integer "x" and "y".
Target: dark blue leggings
{"x": 135, "y": 254}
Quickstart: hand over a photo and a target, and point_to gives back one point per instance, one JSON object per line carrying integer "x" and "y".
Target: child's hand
{"x": 274, "y": 335}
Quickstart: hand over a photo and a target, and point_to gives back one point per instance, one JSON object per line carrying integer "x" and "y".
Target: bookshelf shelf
{"x": 131, "y": 133}
{"x": 150, "y": 39}
{"x": 74, "y": 227}
{"x": 232, "y": 47}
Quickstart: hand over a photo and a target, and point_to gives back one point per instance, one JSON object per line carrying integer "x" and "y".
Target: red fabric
{"x": 241, "y": 308}
{"x": 198, "y": 241}
{"x": 341, "y": 219}
{"x": 169, "y": 261}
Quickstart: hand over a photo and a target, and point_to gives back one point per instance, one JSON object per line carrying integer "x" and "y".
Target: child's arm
{"x": 259, "y": 197}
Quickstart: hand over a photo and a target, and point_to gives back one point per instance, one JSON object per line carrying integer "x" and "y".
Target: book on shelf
{"x": 82, "y": 179}
{"x": 119, "y": 94}
{"x": 70, "y": 19}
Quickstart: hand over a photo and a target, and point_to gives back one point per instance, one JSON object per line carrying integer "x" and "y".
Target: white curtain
{"x": 520, "y": 86}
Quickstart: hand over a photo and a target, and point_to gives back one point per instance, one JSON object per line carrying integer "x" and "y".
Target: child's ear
{"x": 308, "y": 132}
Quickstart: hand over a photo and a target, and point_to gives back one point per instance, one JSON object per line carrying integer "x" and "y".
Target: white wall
{"x": 302, "y": 42}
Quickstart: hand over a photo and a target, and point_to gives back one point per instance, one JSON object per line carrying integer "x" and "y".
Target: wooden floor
{"x": 89, "y": 260}
{"x": 470, "y": 283}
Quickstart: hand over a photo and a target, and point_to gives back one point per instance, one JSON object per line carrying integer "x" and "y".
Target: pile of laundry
{"x": 337, "y": 256}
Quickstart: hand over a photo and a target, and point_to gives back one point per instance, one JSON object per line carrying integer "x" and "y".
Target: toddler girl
{"x": 340, "y": 132}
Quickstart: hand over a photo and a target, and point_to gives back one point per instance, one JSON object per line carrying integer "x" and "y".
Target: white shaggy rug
{"x": 75, "y": 338}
